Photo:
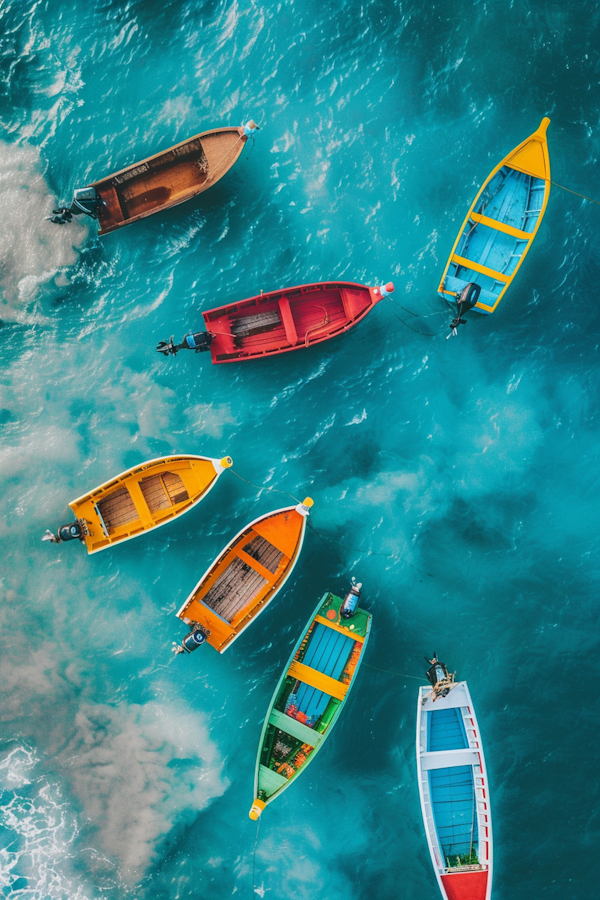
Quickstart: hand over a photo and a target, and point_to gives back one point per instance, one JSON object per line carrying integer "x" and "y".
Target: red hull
{"x": 285, "y": 320}
{"x": 466, "y": 885}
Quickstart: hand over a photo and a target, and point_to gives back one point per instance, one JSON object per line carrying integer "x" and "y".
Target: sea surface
{"x": 457, "y": 479}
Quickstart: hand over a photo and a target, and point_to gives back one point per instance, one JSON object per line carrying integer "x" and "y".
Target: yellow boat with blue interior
{"x": 500, "y": 226}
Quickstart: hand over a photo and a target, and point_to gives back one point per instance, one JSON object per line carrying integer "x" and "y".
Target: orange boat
{"x": 280, "y": 321}
{"x": 244, "y": 578}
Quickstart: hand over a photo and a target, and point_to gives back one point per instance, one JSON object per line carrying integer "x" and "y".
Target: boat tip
{"x": 308, "y": 502}
{"x": 543, "y": 126}
{"x": 226, "y": 462}
{"x": 256, "y": 810}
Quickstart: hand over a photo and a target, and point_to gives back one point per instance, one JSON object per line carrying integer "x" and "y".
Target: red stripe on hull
{"x": 466, "y": 885}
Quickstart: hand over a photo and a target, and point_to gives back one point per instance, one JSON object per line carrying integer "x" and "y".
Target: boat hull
{"x": 309, "y": 697}
{"x": 501, "y": 224}
{"x": 290, "y": 319}
{"x": 454, "y": 794}
{"x": 167, "y": 178}
{"x": 247, "y": 575}
{"x": 145, "y": 497}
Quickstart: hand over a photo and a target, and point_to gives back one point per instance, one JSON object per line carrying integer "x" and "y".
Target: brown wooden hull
{"x": 167, "y": 178}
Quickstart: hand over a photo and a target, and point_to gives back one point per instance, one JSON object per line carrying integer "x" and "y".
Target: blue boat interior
{"x": 446, "y": 730}
{"x": 514, "y": 199}
{"x": 327, "y": 651}
{"x": 452, "y": 793}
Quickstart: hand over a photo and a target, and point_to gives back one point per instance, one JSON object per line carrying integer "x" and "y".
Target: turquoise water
{"x": 468, "y": 467}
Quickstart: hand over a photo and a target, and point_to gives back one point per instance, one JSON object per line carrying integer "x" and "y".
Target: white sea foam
{"x": 33, "y": 252}
{"x": 35, "y": 864}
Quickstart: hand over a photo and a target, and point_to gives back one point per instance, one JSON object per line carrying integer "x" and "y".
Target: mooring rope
{"x": 265, "y": 487}
{"x": 254, "y": 859}
{"x": 396, "y": 674}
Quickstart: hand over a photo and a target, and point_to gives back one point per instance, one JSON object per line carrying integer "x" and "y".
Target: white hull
{"x": 471, "y": 755}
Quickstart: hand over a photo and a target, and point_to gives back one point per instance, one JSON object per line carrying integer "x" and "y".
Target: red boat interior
{"x": 285, "y": 320}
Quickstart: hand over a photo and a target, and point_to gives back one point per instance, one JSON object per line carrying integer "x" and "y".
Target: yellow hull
{"x": 145, "y": 497}
{"x": 531, "y": 158}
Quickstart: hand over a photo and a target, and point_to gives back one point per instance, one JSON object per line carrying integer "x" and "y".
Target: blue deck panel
{"x": 328, "y": 652}
{"x": 452, "y": 793}
{"x": 446, "y": 730}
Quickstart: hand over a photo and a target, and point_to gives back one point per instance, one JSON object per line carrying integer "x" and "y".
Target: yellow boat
{"x": 244, "y": 578}
{"x": 140, "y": 499}
{"x": 501, "y": 224}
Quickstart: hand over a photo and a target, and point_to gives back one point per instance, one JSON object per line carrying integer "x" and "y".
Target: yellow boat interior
{"x": 145, "y": 497}
{"x": 247, "y": 575}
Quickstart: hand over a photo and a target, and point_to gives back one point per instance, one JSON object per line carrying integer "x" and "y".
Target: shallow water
{"x": 467, "y": 469}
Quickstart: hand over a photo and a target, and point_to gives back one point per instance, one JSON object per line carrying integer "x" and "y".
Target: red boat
{"x": 279, "y": 321}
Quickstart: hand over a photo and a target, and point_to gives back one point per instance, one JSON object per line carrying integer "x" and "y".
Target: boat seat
{"x": 112, "y": 208}
{"x": 288, "y": 321}
{"x": 295, "y": 728}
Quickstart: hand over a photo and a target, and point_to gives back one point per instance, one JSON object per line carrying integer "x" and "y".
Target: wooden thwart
{"x": 318, "y": 680}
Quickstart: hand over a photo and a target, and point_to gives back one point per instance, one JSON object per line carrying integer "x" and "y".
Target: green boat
{"x": 310, "y": 694}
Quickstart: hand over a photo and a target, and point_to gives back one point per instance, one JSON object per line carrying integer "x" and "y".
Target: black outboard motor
{"x": 197, "y": 341}
{"x": 72, "y": 532}
{"x": 465, "y": 301}
{"x": 193, "y": 640}
{"x": 437, "y": 672}
{"x": 86, "y": 201}
{"x": 348, "y": 607}
{"x": 439, "y": 678}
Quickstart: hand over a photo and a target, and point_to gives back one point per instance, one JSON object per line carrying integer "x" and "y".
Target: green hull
{"x": 309, "y": 697}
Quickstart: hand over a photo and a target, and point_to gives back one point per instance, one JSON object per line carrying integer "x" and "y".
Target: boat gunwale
{"x": 274, "y": 588}
{"x": 335, "y": 716}
{"x": 425, "y": 691}
{"x": 483, "y": 307}
{"x": 119, "y": 479}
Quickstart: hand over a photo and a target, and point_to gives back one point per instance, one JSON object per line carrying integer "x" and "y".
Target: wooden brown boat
{"x": 162, "y": 180}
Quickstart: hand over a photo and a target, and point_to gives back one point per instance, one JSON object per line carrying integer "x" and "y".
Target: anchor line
{"x": 396, "y": 674}
{"x": 254, "y": 859}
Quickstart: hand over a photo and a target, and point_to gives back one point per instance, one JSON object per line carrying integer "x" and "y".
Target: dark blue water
{"x": 467, "y": 468}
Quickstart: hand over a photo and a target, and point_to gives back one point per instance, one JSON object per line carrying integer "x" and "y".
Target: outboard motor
{"x": 86, "y": 201}
{"x": 193, "y": 640}
{"x": 197, "y": 341}
{"x": 72, "y": 532}
{"x": 439, "y": 678}
{"x": 348, "y": 607}
{"x": 465, "y": 301}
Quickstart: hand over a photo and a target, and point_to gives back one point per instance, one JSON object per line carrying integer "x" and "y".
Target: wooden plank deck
{"x": 118, "y": 509}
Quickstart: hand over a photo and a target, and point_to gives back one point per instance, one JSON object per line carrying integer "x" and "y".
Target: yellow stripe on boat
{"x": 502, "y": 226}
{"x": 476, "y": 267}
{"x": 318, "y": 680}
{"x": 343, "y": 630}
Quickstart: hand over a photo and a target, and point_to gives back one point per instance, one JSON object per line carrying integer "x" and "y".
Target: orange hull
{"x": 247, "y": 575}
